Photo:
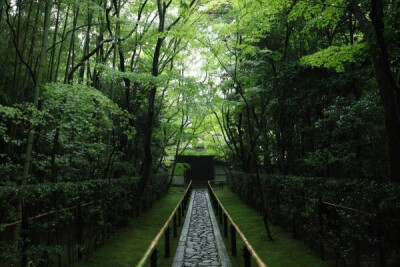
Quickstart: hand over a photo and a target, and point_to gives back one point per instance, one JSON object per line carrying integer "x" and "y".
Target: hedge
{"x": 66, "y": 221}
{"x": 353, "y": 222}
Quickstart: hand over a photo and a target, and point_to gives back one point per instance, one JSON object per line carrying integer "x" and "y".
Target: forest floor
{"x": 127, "y": 246}
{"x": 283, "y": 251}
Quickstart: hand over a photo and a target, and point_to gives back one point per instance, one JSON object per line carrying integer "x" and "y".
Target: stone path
{"x": 200, "y": 248}
{"x": 201, "y": 238}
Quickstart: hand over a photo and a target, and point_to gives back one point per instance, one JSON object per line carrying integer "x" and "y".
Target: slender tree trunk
{"x": 71, "y": 46}
{"x": 27, "y": 24}
{"x": 1, "y": 11}
{"x": 39, "y": 77}
{"x": 177, "y": 145}
{"x": 148, "y": 161}
{"x": 61, "y": 45}
{"x": 54, "y": 155}
{"x": 37, "y": 89}
{"x": 86, "y": 48}
{"x": 31, "y": 58}
{"x": 15, "y": 79}
{"x": 53, "y": 49}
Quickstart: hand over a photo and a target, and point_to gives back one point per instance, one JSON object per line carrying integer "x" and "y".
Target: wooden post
{"x": 225, "y": 225}
{"x": 233, "y": 240}
{"x": 246, "y": 256}
{"x": 380, "y": 238}
{"x": 79, "y": 231}
{"x": 167, "y": 242}
{"x": 24, "y": 237}
{"x": 175, "y": 226}
{"x": 320, "y": 230}
{"x": 221, "y": 214}
{"x": 153, "y": 258}
{"x": 179, "y": 216}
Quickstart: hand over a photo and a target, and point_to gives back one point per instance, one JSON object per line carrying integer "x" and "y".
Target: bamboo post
{"x": 153, "y": 258}
{"x": 167, "y": 242}
{"x": 175, "y": 226}
{"x": 220, "y": 214}
{"x": 246, "y": 256}
{"x": 179, "y": 216}
{"x": 225, "y": 225}
{"x": 79, "y": 231}
{"x": 233, "y": 240}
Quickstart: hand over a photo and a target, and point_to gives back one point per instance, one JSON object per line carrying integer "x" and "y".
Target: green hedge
{"x": 367, "y": 237}
{"x": 74, "y": 228}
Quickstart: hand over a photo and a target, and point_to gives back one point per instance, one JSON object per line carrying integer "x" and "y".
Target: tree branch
{"x": 76, "y": 67}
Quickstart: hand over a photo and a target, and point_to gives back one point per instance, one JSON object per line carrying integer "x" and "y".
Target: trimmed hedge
{"x": 355, "y": 223}
{"x": 82, "y": 215}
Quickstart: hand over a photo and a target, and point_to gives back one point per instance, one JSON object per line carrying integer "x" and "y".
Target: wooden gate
{"x": 201, "y": 169}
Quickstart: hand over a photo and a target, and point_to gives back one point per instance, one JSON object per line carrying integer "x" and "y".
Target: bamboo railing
{"x": 177, "y": 214}
{"x": 224, "y": 217}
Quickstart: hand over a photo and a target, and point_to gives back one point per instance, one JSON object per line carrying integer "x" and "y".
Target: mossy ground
{"x": 127, "y": 246}
{"x": 283, "y": 251}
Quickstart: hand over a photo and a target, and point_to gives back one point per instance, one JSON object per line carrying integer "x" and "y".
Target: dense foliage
{"x": 66, "y": 220}
{"x": 353, "y": 222}
{"x": 301, "y": 92}
{"x": 311, "y": 89}
{"x": 104, "y": 93}
{"x": 90, "y": 96}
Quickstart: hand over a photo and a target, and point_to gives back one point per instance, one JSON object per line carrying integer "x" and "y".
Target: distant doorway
{"x": 201, "y": 169}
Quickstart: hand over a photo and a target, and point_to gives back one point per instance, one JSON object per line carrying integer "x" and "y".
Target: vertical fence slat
{"x": 179, "y": 216}
{"x": 225, "y": 225}
{"x": 233, "y": 240}
{"x": 167, "y": 242}
{"x": 246, "y": 256}
{"x": 220, "y": 214}
{"x": 175, "y": 226}
{"x": 224, "y": 217}
{"x": 153, "y": 258}
{"x": 176, "y": 218}
{"x": 79, "y": 229}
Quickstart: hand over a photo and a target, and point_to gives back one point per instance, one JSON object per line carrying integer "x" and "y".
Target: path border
{"x": 180, "y": 250}
{"x": 222, "y": 252}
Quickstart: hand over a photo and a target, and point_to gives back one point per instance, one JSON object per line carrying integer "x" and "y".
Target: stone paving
{"x": 200, "y": 247}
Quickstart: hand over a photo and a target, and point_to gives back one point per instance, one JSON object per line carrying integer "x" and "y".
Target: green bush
{"x": 87, "y": 208}
{"x": 352, "y": 221}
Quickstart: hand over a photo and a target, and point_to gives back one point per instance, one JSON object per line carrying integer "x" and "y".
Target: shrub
{"x": 356, "y": 221}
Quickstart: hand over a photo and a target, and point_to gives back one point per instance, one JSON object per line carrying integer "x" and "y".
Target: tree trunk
{"x": 35, "y": 102}
{"x": 150, "y": 108}
{"x": 389, "y": 90}
{"x": 1, "y": 10}
{"x": 61, "y": 45}
{"x": 37, "y": 89}
{"x": 177, "y": 146}
{"x": 71, "y": 45}
{"x": 53, "y": 49}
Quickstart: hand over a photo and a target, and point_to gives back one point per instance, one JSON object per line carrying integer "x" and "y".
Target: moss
{"x": 283, "y": 251}
{"x": 128, "y": 245}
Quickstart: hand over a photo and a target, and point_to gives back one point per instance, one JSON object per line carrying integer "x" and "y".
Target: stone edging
{"x": 222, "y": 252}
{"x": 180, "y": 250}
